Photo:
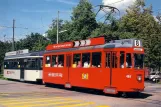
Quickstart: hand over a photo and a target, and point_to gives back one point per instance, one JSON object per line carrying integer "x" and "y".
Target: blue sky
{"x": 37, "y": 15}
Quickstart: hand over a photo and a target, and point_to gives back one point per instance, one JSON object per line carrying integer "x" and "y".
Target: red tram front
{"x": 113, "y": 67}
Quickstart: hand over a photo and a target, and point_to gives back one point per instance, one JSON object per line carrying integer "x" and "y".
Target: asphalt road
{"x": 19, "y": 94}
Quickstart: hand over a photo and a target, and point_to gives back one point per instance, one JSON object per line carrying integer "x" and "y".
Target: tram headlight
{"x": 139, "y": 77}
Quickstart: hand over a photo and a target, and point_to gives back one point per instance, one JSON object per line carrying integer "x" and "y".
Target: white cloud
{"x": 35, "y": 11}
{"x": 67, "y": 2}
{"x": 156, "y": 19}
{"x": 122, "y": 5}
{"x": 70, "y": 2}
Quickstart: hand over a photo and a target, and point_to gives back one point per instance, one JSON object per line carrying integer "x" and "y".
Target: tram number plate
{"x": 137, "y": 43}
{"x": 85, "y": 76}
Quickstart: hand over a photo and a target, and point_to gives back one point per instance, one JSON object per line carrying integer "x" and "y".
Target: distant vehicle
{"x": 147, "y": 72}
{"x": 155, "y": 77}
{"x": 24, "y": 66}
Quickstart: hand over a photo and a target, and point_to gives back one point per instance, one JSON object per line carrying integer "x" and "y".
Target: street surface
{"x": 19, "y": 94}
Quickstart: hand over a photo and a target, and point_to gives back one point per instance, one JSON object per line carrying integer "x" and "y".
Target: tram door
{"x": 68, "y": 64}
{"x": 22, "y": 69}
{"x": 112, "y": 64}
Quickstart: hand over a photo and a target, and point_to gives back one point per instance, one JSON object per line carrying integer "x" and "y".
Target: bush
{"x": 159, "y": 82}
{"x": 1, "y": 77}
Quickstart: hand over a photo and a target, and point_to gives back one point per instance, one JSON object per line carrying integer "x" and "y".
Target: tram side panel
{"x": 96, "y": 76}
{"x": 11, "y": 69}
{"x": 12, "y": 74}
{"x": 52, "y": 72}
{"x": 33, "y": 69}
{"x": 33, "y": 75}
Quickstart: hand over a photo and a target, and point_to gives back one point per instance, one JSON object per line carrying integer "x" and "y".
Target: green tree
{"x": 41, "y": 44}
{"x": 4, "y": 47}
{"x": 63, "y": 37}
{"x": 83, "y": 21}
{"x": 33, "y": 42}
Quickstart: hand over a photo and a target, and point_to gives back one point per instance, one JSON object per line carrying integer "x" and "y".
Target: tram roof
{"x": 124, "y": 43}
{"x": 37, "y": 54}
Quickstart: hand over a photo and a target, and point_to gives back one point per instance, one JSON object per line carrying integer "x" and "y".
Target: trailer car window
{"x": 32, "y": 64}
{"x": 41, "y": 63}
{"x": 6, "y": 65}
{"x": 13, "y": 64}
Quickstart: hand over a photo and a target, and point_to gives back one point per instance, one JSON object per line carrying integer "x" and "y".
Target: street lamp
{"x": 63, "y": 31}
{"x": 58, "y": 27}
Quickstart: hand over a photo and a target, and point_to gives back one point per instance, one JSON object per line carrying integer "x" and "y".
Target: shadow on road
{"x": 100, "y": 92}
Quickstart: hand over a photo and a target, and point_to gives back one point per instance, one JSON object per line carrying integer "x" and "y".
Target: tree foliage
{"x": 83, "y": 20}
{"x": 4, "y": 47}
{"x": 33, "y": 42}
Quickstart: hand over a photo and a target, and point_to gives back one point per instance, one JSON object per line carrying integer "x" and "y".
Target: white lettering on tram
{"x": 10, "y": 72}
{"x": 55, "y": 75}
{"x": 128, "y": 76}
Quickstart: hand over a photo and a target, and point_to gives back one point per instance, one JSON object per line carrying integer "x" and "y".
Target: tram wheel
{"x": 47, "y": 84}
{"x": 123, "y": 94}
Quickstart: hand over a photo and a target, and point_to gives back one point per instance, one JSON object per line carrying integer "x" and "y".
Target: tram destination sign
{"x": 17, "y": 52}
{"x": 74, "y": 44}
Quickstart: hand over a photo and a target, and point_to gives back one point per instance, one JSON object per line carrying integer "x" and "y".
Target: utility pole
{"x": 13, "y": 47}
{"x": 58, "y": 28}
{"x": 13, "y": 27}
{"x": 4, "y": 38}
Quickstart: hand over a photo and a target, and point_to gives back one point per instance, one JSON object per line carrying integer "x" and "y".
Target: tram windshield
{"x": 138, "y": 61}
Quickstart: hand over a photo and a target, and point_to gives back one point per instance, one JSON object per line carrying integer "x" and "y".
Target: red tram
{"x": 116, "y": 66}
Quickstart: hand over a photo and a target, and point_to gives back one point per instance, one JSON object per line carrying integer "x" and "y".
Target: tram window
{"x": 48, "y": 59}
{"x": 32, "y": 64}
{"x": 128, "y": 60}
{"x": 114, "y": 60}
{"x": 60, "y": 60}
{"x": 18, "y": 62}
{"x": 76, "y": 61}
{"x": 54, "y": 61}
{"x": 138, "y": 61}
{"x": 41, "y": 64}
{"x": 122, "y": 56}
{"x": 12, "y": 64}
{"x": 96, "y": 59}
{"x": 86, "y": 60}
{"x": 6, "y": 65}
{"x": 15, "y": 64}
{"x": 108, "y": 61}
{"x": 9, "y": 64}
